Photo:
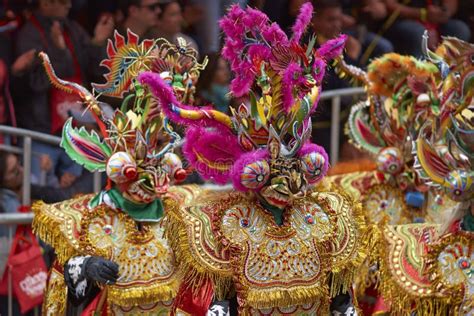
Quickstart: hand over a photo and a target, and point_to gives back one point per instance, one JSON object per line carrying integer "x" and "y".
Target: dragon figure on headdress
{"x": 112, "y": 254}
{"x": 402, "y": 92}
{"x": 429, "y": 268}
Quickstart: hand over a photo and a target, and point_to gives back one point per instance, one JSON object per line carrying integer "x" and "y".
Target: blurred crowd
{"x": 74, "y": 34}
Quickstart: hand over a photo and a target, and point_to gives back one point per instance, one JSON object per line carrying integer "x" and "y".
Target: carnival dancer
{"x": 428, "y": 268}
{"x": 282, "y": 244}
{"x": 112, "y": 255}
{"x": 401, "y": 94}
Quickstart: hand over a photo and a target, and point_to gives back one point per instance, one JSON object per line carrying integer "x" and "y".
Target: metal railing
{"x": 28, "y": 136}
{"x": 336, "y": 96}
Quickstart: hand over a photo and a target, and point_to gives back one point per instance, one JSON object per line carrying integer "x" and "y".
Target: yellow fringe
{"x": 48, "y": 229}
{"x": 55, "y": 296}
{"x": 261, "y": 299}
{"x": 189, "y": 267}
{"x": 401, "y": 302}
{"x": 342, "y": 278}
{"x": 142, "y": 295}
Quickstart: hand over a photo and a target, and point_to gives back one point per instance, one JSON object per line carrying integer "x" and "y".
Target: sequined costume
{"x": 282, "y": 243}
{"x": 428, "y": 268}
{"x": 401, "y": 94}
{"x": 112, "y": 254}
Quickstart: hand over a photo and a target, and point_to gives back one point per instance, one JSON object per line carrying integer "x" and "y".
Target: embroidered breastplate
{"x": 275, "y": 269}
{"x": 424, "y": 272}
{"x": 147, "y": 276}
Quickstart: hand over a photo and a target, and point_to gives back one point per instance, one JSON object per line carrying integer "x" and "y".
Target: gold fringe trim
{"x": 48, "y": 229}
{"x": 343, "y": 277}
{"x": 55, "y": 296}
{"x": 366, "y": 276}
{"x": 189, "y": 267}
{"x": 400, "y": 301}
{"x": 142, "y": 295}
{"x": 261, "y": 299}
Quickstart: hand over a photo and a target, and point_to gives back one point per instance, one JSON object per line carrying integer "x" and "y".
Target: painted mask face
{"x": 147, "y": 180}
{"x": 140, "y": 169}
{"x": 286, "y": 183}
{"x": 280, "y": 178}
{"x": 261, "y": 146}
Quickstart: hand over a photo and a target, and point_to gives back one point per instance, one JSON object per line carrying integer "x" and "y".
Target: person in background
{"x": 11, "y": 186}
{"x": 328, "y": 22}
{"x": 74, "y": 55}
{"x": 169, "y": 24}
{"x": 213, "y": 84}
{"x": 360, "y": 20}
{"x": 11, "y": 179}
{"x": 206, "y": 26}
{"x": 138, "y": 16}
{"x": 416, "y": 16}
{"x": 283, "y": 12}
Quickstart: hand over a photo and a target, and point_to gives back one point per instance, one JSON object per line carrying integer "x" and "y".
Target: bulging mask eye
{"x": 121, "y": 167}
{"x": 174, "y": 167}
{"x": 167, "y": 77}
{"x": 254, "y": 175}
{"x": 313, "y": 165}
{"x": 459, "y": 185}
{"x": 390, "y": 161}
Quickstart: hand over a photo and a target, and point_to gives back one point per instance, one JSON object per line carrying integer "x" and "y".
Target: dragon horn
{"x": 177, "y": 112}
{"x": 434, "y": 58}
{"x": 74, "y": 88}
{"x": 356, "y": 74}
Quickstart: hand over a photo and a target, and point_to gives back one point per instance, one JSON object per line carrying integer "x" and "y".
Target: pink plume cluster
{"x": 218, "y": 146}
{"x": 214, "y": 149}
{"x": 302, "y": 21}
{"x": 172, "y": 108}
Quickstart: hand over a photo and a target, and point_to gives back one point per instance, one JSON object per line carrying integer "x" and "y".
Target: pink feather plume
{"x": 171, "y": 106}
{"x": 218, "y": 147}
{"x": 302, "y": 21}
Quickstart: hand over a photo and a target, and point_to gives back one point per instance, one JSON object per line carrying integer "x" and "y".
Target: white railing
{"x": 335, "y": 96}
{"x": 28, "y": 136}
{"x": 26, "y": 151}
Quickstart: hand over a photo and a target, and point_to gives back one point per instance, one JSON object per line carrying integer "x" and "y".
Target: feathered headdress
{"x": 282, "y": 79}
{"x": 136, "y": 138}
{"x": 445, "y": 146}
{"x": 401, "y": 93}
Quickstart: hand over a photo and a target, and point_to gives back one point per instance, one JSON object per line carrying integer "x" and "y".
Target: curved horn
{"x": 74, "y": 88}
{"x": 357, "y": 75}
{"x": 434, "y": 58}
{"x": 178, "y": 112}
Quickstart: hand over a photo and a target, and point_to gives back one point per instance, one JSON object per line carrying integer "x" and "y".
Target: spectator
{"x": 75, "y": 57}
{"x": 169, "y": 24}
{"x": 11, "y": 179}
{"x": 327, "y": 24}
{"x": 7, "y": 111}
{"x": 138, "y": 16}
{"x": 11, "y": 185}
{"x": 213, "y": 85}
{"x": 207, "y": 28}
{"x": 418, "y": 15}
{"x": 360, "y": 17}
{"x": 283, "y": 12}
